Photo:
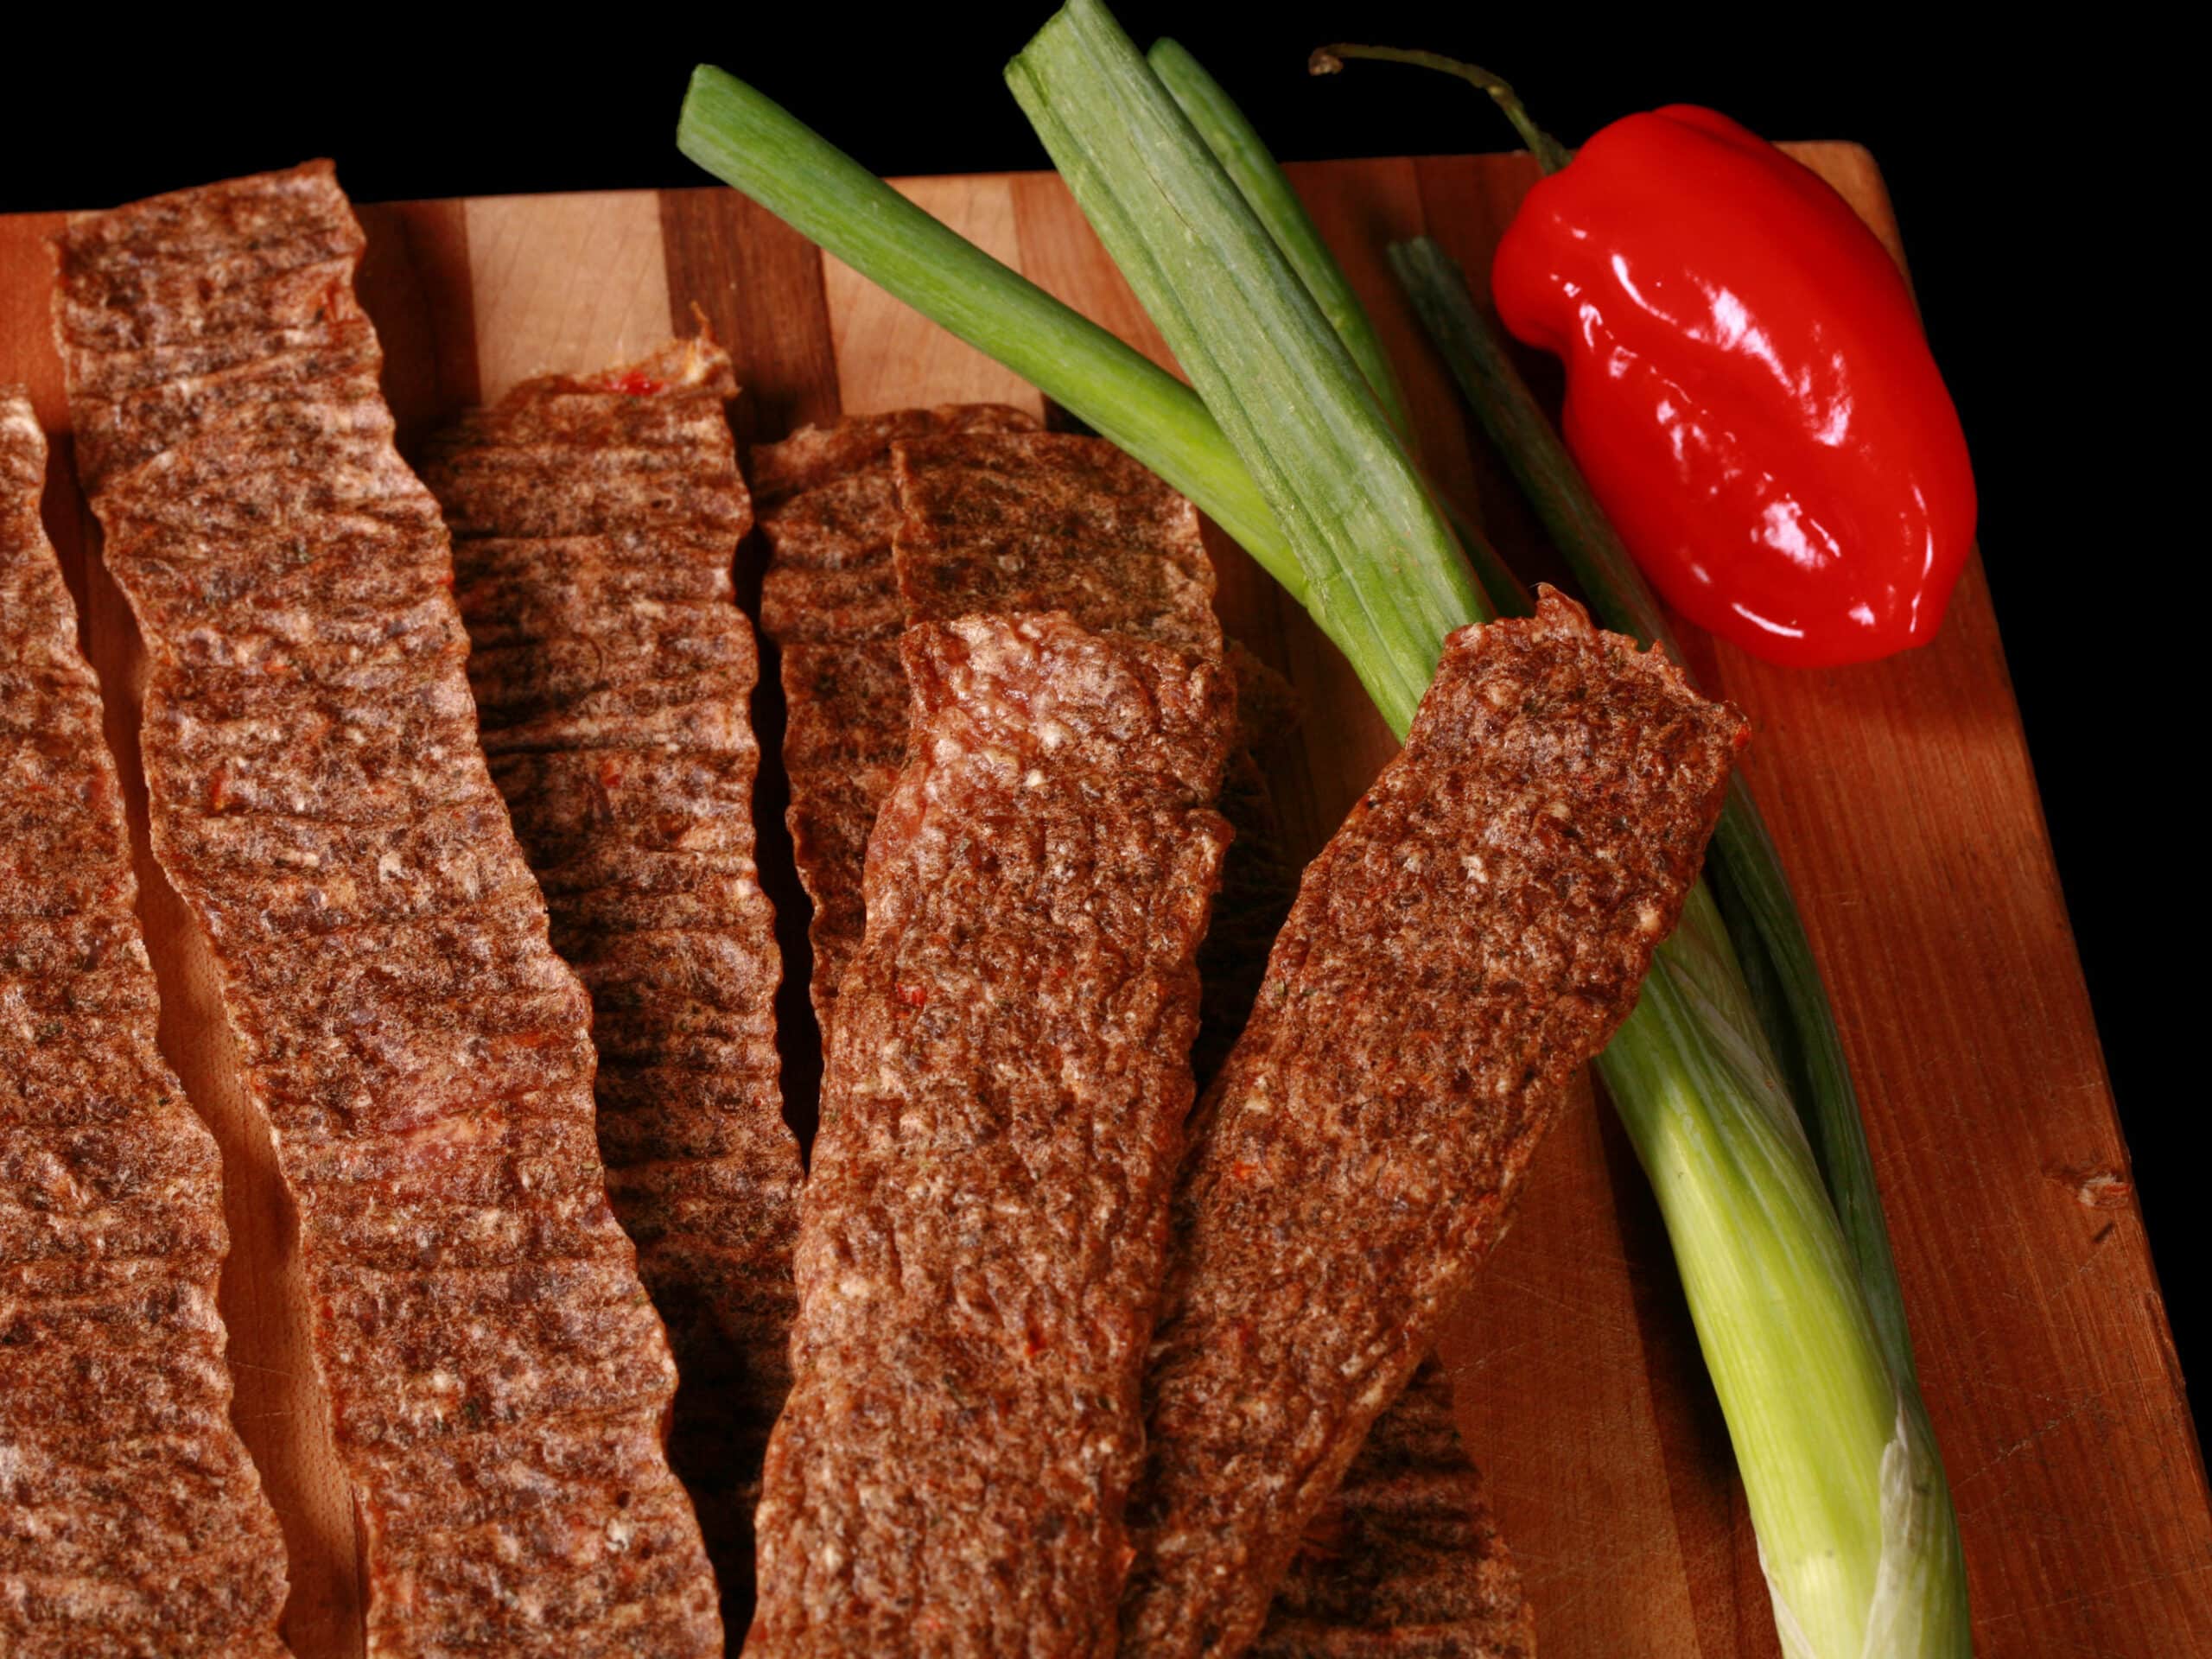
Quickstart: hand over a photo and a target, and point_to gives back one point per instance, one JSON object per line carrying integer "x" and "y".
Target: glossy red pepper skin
{"x": 1748, "y": 388}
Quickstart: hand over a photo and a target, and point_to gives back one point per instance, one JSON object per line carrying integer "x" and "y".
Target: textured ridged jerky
{"x": 1477, "y": 929}
{"x": 1403, "y": 1562}
{"x": 830, "y": 601}
{"x": 131, "y": 1520}
{"x": 497, "y": 1377}
{"x": 1005, "y": 522}
{"x": 594, "y": 521}
{"x": 981, "y": 1235}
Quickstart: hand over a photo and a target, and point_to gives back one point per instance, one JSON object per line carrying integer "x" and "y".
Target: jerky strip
{"x": 594, "y": 522}
{"x": 982, "y": 1232}
{"x": 131, "y": 1520}
{"x": 1404, "y": 1559}
{"x": 1476, "y": 930}
{"x": 829, "y": 602}
{"x": 1004, "y": 522}
{"x": 498, "y": 1380}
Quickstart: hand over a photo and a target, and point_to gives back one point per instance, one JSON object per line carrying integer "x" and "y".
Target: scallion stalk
{"x": 1258, "y": 178}
{"x": 1386, "y": 579}
{"x": 1783, "y": 979}
{"x": 1847, "y": 1494}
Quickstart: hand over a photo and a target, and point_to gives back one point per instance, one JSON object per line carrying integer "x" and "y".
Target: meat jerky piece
{"x": 497, "y": 1379}
{"x": 830, "y": 603}
{"x": 131, "y": 1520}
{"x": 1045, "y": 521}
{"x": 984, "y": 1226}
{"x": 1404, "y": 1560}
{"x": 1477, "y": 930}
{"x": 594, "y": 522}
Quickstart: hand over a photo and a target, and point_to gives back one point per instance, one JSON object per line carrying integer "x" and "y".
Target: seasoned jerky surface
{"x": 131, "y": 1521}
{"x": 594, "y": 521}
{"x": 830, "y": 601}
{"x": 498, "y": 1379}
{"x": 1047, "y": 521}
{"x": 982, "y": 1234}
{"x": 1477, "y": 929}
{"x": 1404, "y": 1559}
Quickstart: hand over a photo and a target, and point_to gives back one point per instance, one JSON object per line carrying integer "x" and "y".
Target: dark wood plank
{"x": 413, "y": 284}
{"x": 758, "y": 283}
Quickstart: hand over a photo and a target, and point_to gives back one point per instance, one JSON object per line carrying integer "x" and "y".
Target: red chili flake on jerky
{"x": 498, "y": 1380}
{"x": 982, "y": 1234}
{"x": 1300, "y": 1297}
{"x": 594, "y": 524}
{"x": 829, "y": 602}
{"x": 131, "y": 1520}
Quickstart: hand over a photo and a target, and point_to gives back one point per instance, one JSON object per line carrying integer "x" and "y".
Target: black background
{"x": 2047, "y": 250}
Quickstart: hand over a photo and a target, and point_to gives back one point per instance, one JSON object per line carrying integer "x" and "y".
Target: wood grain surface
{"x": 1900, "y": 792}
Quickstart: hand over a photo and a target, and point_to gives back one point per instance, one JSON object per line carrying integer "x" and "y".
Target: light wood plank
{"x": 889, "y": 357}
{"x": 565, "y": 283}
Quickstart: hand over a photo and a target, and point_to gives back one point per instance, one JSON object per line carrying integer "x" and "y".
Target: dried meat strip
{"x": 131, "y": 1520}
{"x": 1477, "y": 929}
{"x": 829, "y": 602}
{"x": 1404, "y": 1560}
{"x": 594, "y": 522}
{"x": 498, "y": 1380}
{"x": 981, "y": 1235}
{"x": 1005, "y": 522}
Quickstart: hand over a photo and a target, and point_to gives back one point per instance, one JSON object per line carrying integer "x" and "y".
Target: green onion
{"x": 1852, "y": 1526}
{"x": 1783, "y": 982}
{"x": 1267, "y": 190}
{"x": 1263, "y": 184}
{"x": 1821, "y": 1399}
{"x": 1386, "y": 579}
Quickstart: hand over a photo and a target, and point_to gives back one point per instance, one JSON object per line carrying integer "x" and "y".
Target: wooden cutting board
{"x": 1900, "y": 792}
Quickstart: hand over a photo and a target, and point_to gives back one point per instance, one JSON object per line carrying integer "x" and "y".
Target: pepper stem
{"x": 1550, "y": 153}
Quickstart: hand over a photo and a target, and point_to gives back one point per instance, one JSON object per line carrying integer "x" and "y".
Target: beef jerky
{"x": 131, "y": 1520}
{"x": 594, "y": 521}
{"x": 1476, "y": 930}
{"x": 829, "y": 602}
{"x": 982, "y": 1235}
{"x": 1005, "y": 522}
{"x": 1404, "y": 1560}
{"x": 497, "y": 1378}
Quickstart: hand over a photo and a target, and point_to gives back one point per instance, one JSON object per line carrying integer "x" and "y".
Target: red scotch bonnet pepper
{"x": 1748, "y": 388}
